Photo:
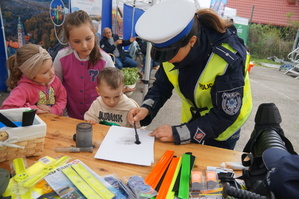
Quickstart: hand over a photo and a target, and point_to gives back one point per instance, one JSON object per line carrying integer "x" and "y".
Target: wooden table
{"x": 60, "y": 131}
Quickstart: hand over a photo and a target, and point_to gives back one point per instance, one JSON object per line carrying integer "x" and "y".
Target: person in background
{"x": 33, "y": 82}
{"x": 111, "y": 43}
{"x": 79, "y": 64}
{"x": 96, "y": 26}
{"x": 205, "y": 61}
{"x": 112, "y": 106}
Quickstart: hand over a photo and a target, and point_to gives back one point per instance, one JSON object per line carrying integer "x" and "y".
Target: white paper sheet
{"x": 119, "y": 145}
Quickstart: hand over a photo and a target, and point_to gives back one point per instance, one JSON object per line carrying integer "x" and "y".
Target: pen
{"x": 136, "y": 135}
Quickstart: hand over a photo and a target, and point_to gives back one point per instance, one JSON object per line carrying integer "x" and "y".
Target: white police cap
{"x": 166, "y": 23}
{"x": 165, "y": 20}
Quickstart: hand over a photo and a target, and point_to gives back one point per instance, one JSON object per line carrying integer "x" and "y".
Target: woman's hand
{"x": 163, "y": 133}
{"x": 137, "y": 114}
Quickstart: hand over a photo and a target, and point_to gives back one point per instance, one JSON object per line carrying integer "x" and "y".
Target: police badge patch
{"x": 231, "y": 102}
{"x": 199, "y": 135}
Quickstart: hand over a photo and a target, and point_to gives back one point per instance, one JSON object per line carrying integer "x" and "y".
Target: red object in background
{"x": 251, "y": 64}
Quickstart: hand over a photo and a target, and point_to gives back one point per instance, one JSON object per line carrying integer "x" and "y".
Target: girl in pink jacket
{"x": 79, "y": 64}
{"x": 33, "y": 82}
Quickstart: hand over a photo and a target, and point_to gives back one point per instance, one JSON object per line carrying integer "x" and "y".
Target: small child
{"x": 112, "y": 105}
{"x": 78, "y": 65}
{"x": 33, "y": 82}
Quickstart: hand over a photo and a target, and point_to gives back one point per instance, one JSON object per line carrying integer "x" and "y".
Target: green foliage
{"x": 290, "y": 21}
{"x": 130, "y": 75}
{"x": 40, "y": 28}
{"x": 266, "y": 40}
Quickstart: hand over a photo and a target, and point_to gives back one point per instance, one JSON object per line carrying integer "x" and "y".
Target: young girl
{"x": 33, "y": 82}
{"x": 79, "y": 64}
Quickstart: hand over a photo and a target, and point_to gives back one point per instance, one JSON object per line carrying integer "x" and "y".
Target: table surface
{"x": 60, "y": 131}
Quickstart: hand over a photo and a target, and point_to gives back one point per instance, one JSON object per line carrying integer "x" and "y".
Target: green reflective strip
{"x": 185, "y": 177}
{"x": 83, "y": 187}
{"x": 93, "y": 181}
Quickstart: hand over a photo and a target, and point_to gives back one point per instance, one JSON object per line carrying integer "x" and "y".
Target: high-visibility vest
{"x": 203, "y": 98}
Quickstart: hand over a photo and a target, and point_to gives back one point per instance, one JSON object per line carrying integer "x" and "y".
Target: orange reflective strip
{"x": 155, "y": 175}
{"x": 168, "y": 178}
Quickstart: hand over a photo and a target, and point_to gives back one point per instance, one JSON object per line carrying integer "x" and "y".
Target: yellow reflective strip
{"x": 83, "y": 187}
{"x": 45, "y": 171}
{"x": 170, "y": 194}
{"x": 93, "y": 181}
{"x": 20, "y": 177}
{"x": 20, "y": 170}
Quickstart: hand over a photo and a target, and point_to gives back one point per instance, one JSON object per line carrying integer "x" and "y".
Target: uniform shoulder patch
{"x": 199, "y": 135}
{"x": 231, "y": 102}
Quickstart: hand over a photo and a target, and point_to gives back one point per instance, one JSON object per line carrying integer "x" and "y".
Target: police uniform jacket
{"x": 217, "y": 120}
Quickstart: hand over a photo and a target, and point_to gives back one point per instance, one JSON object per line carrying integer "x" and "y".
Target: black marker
{"x": 136, "y": 135}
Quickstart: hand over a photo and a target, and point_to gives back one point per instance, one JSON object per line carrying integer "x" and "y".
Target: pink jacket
{"x": 30, "y": 94}
{"x": 79, "y": 80}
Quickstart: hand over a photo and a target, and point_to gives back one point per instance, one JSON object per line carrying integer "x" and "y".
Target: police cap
{"x": 165, "y": 25}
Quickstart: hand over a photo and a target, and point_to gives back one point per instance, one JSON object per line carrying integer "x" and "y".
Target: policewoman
{"x": 205, "y": 62}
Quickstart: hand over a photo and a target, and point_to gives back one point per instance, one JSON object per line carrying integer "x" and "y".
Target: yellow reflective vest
{"x": 203, "y": 95}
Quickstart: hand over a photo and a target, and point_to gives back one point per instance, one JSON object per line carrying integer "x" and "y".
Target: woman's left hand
{"x": 163, "y": 133}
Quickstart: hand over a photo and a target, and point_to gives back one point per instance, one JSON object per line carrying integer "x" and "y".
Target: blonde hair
{"x": 27, "y": 60}
{"x": 75, "y": 19}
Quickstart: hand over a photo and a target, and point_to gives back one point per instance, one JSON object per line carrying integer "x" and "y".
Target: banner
{"x": 28, "y": 22}
{"x": 218, "y": 6}
{"x": 241, "y": 25}
{"x": 131, "y": 15}
{"x": 92, "y": 7}
{"x": 24, "y": 22}
{"x": 3, "y": 70}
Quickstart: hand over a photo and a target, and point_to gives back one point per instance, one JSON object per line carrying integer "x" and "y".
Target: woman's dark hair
{"x": 209, "y": 18}
{"x": 76, "y": 19}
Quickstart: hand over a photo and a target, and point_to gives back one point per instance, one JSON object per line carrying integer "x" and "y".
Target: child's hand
{"x": 39, "y": 111}
{"x": 91, "y": 121}
{"x": 44, "y": 107}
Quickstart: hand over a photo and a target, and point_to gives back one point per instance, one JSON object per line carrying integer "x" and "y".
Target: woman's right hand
{"x": 137, "y": 114}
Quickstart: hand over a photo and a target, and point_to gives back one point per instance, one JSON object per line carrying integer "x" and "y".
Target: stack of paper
{"x": 119, "y": 145}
